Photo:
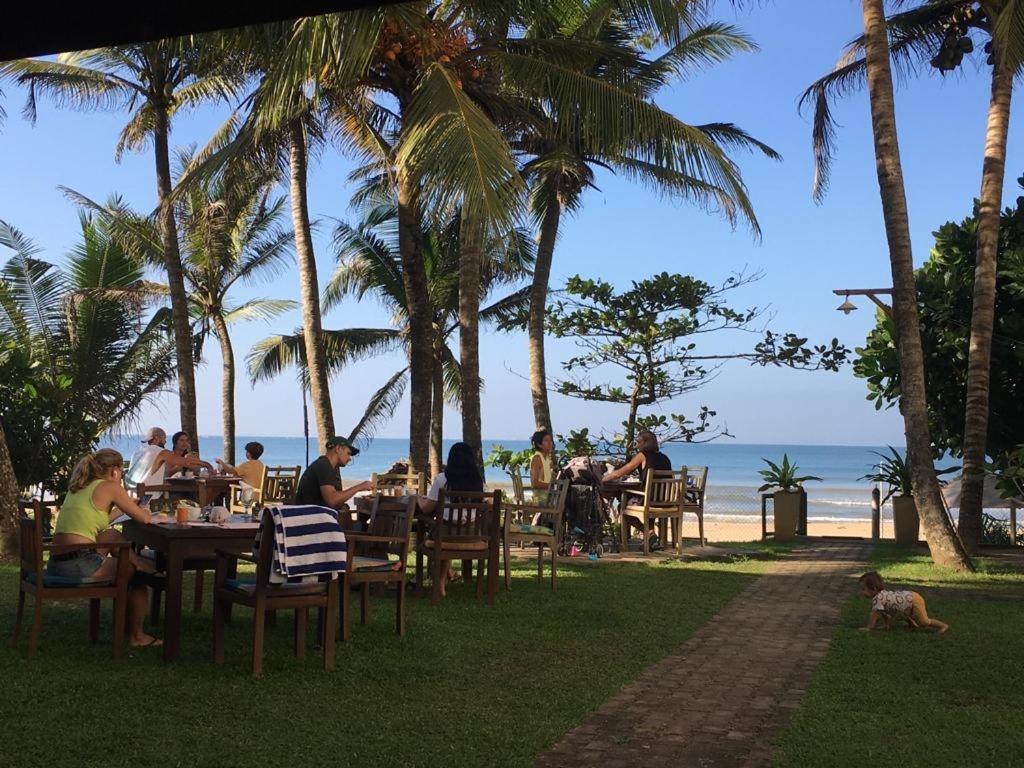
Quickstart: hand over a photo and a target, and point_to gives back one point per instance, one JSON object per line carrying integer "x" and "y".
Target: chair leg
{"x": 37, "y": 626}
{"x": 624, "y": 532}
{"x": 346, "y": 593}
{"x": 678, "y": 528}
{"x": 94, "y": 620}
{"x": 480, "y": 580}
{"x": 646, "y": 536}
{"x": 17, "y": 619}
{"x": 327, "y": 640}
{"x": 259, "y": 621}
{"x": 364, "y": 603}
{"x": 218, "y": 630}
{"x": 700, "y": 526}
{"x": 400, "y": 609}
{"x": 301, "y": 616}
{"x": 540, "y": 564}
{"x": 197, "y": 599}
{"x": 120, "y": 621}
{"x": 505, "y": 554}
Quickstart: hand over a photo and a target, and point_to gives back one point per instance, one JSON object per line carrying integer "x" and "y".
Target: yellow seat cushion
{"x": 461, "y": 546}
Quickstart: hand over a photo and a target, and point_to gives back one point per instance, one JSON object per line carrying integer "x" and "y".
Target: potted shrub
{"x": 789, "y": 498}
{"x": 894, "y": 470}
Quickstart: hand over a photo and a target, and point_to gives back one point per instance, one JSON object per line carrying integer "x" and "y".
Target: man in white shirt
{"x": 141, "y": 465}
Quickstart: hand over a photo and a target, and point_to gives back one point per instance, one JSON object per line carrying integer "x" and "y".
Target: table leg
{"x": 172, "y": 609}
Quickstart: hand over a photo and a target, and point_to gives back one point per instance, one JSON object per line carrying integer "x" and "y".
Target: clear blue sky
{"x": 623, "y": 232}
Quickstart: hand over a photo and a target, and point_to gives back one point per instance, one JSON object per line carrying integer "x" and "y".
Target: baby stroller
{"x": 586, "y": 512}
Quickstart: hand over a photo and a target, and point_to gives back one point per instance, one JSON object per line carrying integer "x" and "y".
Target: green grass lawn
{"x": 468, "y": 685}
{"x": 912, "y": 698}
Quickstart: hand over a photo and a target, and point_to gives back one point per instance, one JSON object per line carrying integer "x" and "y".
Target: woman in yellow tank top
{"x": 95, "y": 497}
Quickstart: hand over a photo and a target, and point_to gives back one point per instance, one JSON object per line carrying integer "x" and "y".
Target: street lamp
{"x": 872, "y": 293}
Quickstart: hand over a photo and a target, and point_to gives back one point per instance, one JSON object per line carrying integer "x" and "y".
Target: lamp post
{"x": 872, "y": 293}
{"x": 846, "y": 308}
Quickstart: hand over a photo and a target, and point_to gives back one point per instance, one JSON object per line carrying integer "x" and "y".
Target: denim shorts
{"x": 82, "y": 567}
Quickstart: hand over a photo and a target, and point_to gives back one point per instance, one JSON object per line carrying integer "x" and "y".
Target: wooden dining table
{"x": 177, "y": 543}
{"x": 212, "y": 489}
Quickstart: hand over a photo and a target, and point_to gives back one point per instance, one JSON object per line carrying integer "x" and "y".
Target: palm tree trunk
{"x": 469, "y": 334}
{"x": 421, "y": 334}
{"x": 175, "y": 279}
{"x": 979, "y": 363}
{"x": 227, "y": 387}
{"x": 946, "y": 549}
{"x": 312, "y": 330}
{"x": 437, "y": 419}
{"x": 8, "y": 501}
{"x": 538, "y": 304}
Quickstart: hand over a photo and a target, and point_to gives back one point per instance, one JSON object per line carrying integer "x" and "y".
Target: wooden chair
{"x": 235, "y": 505}
{"x": 696, "y": 485}
{"x": 464, "y": 526}
{"x": 280, "y": 485}
{"x": 263, "y": 597}
{"x": 538, "y": 525}
{"x": 379, "y": 557}
{"x": 36, "y": 582}
{"x": 663, "y": 497}
{"x": 402, "y": 483}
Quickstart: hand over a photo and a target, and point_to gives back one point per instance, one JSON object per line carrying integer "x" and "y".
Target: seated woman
{"x": 95, "y": 497}
{"x": 459, "y": 474}
{"x": 250, "y": 470}
{"x": 542, "y": 465}
{"x": 648, "y": 457}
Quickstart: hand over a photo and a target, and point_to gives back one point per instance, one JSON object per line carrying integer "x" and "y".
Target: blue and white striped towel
{"x": 308, "y": 542}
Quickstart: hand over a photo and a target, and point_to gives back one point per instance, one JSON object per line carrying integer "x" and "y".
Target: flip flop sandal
{"x": 153, "y": 642}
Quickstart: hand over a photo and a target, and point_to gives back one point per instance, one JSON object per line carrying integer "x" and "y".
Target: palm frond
{"x": 381, "y": 407}
{"x": 259, "y": 309}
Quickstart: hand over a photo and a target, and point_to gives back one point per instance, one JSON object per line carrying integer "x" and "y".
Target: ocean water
{"x": 732, "y": 479}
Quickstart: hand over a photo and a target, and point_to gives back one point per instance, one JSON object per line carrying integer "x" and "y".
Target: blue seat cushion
{"x": 240, "y": 584}
{"x": 536, "y": 530}
{"x": 49, "y": 580}
{"x": 362, "y": 564}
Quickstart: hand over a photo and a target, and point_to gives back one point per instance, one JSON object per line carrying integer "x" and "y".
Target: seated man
{"x": 143, "y": 460}
{"x": 251, "y": 470}
{"x": 321, "y": 484}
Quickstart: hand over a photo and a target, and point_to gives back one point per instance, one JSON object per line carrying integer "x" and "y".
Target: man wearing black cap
{"x": 320, "y": 484}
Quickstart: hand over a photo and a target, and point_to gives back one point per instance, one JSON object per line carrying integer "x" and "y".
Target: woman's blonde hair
{"x": 94, "y": 466}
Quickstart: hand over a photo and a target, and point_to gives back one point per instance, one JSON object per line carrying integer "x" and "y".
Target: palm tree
{"x": 937, "y": 34}
{"x": 369, "y": 264}
{"x": 152, "y": 82}
{"x": 946, "y": 549}
{"x": 94, "y": 353}
{"x": 560, "y": 165}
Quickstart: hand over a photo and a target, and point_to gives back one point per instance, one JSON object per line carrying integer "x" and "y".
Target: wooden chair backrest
{"x": 390, "y": 517}
{"x": 557, "y": 493}
{"x": 395, "y": 483}
{"x": 665, "y": 488}
{"x": 518, "y": 494}
{"x": 464, "y": 513}
{"x": 30, "y": 538}
{"x": 696, "y": 484}
{"x": 280, "y": 485}
{"x": 265, "y": 555}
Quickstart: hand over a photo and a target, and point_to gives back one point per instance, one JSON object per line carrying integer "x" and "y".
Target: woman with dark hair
{"x": 542, "y": 465}
{"x": 648, "y": 457}
{"x": 460, "y": 473}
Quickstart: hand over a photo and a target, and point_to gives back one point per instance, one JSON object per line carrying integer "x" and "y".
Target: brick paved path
{"x": 720, "y": 697}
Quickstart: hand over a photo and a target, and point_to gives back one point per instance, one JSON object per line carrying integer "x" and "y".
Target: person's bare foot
{"x": 145, "y": 641}
{"x": 944, "y": 630}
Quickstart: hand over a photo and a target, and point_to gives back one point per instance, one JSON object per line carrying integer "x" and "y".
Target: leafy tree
{"x": 945, "y": 289}
{"x": 648, "y": 333}
{"x": 79, "y": 353}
